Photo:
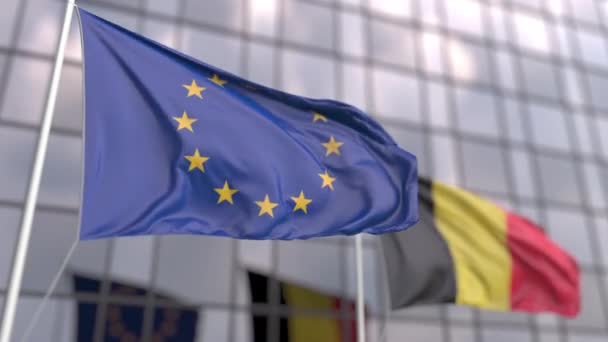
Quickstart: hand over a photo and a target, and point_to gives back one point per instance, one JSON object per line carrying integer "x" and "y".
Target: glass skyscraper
{"x": 506, "y": 98}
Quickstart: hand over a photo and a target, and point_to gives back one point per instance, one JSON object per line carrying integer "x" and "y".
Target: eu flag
{"x": 172, "y": 321}
{"x": 176, "y": 146}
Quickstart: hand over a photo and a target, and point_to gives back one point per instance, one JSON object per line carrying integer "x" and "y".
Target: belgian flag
{"x": 309, "y": 327}
{"x": 467, "y": 250}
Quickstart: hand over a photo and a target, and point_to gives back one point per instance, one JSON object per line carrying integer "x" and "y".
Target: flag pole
{"x": 360, "y": 296}
{"x": 10, "y": 305}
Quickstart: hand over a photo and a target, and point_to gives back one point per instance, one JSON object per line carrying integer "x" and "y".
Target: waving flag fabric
{"x": 325, "y": 326}
{"x": 172, "y": 322}
{"x": 176, "y": 146}
{"x": 466, "y": 250}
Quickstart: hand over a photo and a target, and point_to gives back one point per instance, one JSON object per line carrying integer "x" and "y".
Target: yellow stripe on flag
{"x": 307, "y": 328}
{"x": 475, "y": 231}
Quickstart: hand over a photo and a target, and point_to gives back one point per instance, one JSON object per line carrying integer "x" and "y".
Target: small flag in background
{"x": 125, "y": 322}
{"x": 466, "y": 250}
{"x": 303, "y": 327}
{"x": 175, "y": 146}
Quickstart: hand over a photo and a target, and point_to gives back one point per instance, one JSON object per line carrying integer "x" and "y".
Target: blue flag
{"x": 172, "y": 321}
{"x": 176, "y": 146}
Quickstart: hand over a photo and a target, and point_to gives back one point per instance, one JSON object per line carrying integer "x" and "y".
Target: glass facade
{"x": 507, "y": 98}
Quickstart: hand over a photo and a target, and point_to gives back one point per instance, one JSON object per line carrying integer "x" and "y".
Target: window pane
{"x": 506, "y": 72}
{"x": 581, "y": 125}
{"x": 592, "y": 315}
{"x": 469, "y": 62}
{"x": 601, "y": 128}
{"x": 10, "y": 219}
{"x": 585, "y": 10}
{"x": 353, "y": 83}
{"x": 432, "y": 54}
{"x": 599, "y": 88}
{"x": 392, "y": 44}
{"x": 260, "y": 64}
{"x": 415, "y": 332}
{"x": 569, "y": 229}
{"x": 464, "y": 16}
{"x": 505, "y": 335}
{"x": 522, "y": 171}
{"x": 414, "y": 142}
{"x": 132, "y": 258}
{"x": 69, "y": 109}
{"x": 593, "y": 182}
{"x": 437, "y": 102}
{"x": 25, "y": 95}
{"x": 308, "y": 24}
{"x": 15, "y": 163}
{"x": 225, "y": 13}
{"x": 558, "y": 179}
{"x": 476, "y": 112}
{"x": 41, "y": 27}
{"x": 593, "y": 48}
{"x": 484, "y": 167}
{"x": 308, "y": 75}
{"x": 352, "y": 34}
{"x": 7, "y": 20}
{"x": 205, "y": 261}
{"x": 263, "y": 17}
{"x": 444, "y": 159}
{"x": 402, "y": 8}
{"x": 539, "y": 78}
{"x": 62, "y": 176}
{"x": 397, "y": 96}
{"x": 531, "y": 32}
{"x": 52, "y": 237}
{"x": 549, "y": 127}
{"x": 218, "y": 50}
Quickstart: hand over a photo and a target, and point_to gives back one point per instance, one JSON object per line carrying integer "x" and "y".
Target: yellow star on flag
{"x": 217, "y": 80}
{"x": 327, "y": 180}
{"x": 318, "y": 117}
{"x": 225, "y": 193}
{"x": 301, "y": 202}
{"x": 185, "y": 122}
{"x": 197, "y": 161}
{"x": 266, "y": 206}
{"x": 332, "y": 146}
{"x": 194, "y": 89}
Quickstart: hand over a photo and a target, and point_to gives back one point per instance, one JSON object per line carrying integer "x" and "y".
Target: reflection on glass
{"x": 225, "y": 13}
{"x": 308, "y": 75}
{"x": 549, "y": 127}
{"x": 308, "y": 24}
{"x": 484, "y": 167}
{"x": 26, "y": 91}
{"x": 593, "y": 48}
{"x": 400, "y": 8}
{"x": 396, "y": 96}
{"x": 505, "y": 335}
{"x": 464, "y": 16}
{"x": 539, "y": 78}
{"x": 558, "y": 179}
{"x": 476, "y": 112}
{"x": 392, "y": 44}
{"x": 531, "y": 32}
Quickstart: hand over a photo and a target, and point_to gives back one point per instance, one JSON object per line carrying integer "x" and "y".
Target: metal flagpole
{"x": 10, "y": 304}
{"x": 360, "y": 296}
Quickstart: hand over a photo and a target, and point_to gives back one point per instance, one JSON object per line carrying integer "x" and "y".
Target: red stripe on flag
{"x": 544, "y": 277}
{"x": 348, "y": 329}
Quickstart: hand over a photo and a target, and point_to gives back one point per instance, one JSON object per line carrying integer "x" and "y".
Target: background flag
{"x": 124, "y": 322}
{"x": 302, "y": 327}
{"x": 466, "y": 250}
{"x": 175, "y": 146}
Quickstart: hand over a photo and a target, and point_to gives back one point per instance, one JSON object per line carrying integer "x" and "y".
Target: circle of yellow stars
{"x": 226, "y": 192}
